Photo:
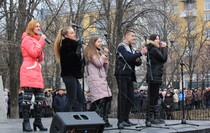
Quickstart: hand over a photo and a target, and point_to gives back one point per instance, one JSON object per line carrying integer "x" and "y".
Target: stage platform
{"x": 15, "y": 126}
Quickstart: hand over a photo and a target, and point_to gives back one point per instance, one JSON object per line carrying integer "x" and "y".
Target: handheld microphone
{"x": 75, "y": 25}
{"x": 106, "y": 36}
{"x": 145, "y": 38}
{"x": 46, "y": 40}
{"x": 103, "y": 47}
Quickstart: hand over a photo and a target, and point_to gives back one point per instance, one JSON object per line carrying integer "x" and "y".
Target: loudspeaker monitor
{"x": 77, "y": 122}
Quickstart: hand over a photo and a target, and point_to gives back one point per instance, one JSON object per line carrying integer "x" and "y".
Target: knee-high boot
{"x": 149, "y": 116}
{"x": 37, "y": 121}
{"x": 26, "y": 123}
{"x": 157, "y": 118}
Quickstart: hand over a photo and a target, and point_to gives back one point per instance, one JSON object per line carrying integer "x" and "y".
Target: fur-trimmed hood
{"x": 151, "y": 42}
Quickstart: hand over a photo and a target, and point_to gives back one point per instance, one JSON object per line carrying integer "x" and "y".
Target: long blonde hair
{"x": 91, "y": 50}
{"x": 57, "y": 44}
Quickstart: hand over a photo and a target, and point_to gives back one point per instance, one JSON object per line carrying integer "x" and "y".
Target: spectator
{"x": 168, "y": 105}
{"x": 176, "y": 99}
{"x": 60, "y": 101}
{"x": 6, "y": 98}
{"x": 181, "y": 98}
{"x": 195, "y": 98}
{"x": 20, "y": 100}
{"x": 48, "y": 104}
{"x": 189, "y": 99}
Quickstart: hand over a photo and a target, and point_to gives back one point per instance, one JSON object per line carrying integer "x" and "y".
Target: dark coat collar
{"x": 69, "y": 41}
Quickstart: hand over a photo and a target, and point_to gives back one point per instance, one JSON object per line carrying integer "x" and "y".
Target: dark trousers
{"x": 125, "y": 98}
{"x": 74, "y": 94}
{"x": 153, "y": 93}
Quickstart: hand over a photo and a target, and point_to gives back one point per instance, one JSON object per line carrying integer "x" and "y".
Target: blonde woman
{"x": 67, "y": 53}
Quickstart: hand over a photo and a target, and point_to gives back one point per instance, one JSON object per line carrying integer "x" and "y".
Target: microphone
{"x": 145, "y": 38}
{"x": 46, "y": 40}
{"x": 75, "y": 25}
{"x": 106, "y": 36}
{"x": 108, "y": 50}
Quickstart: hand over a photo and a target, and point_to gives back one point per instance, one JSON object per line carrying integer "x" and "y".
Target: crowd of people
{"x": 171, "y": 100}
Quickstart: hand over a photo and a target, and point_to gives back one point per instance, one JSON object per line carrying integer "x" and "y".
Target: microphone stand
{"x": 183, "y": 121}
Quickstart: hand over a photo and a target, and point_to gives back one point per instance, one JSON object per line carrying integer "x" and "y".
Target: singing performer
{"x": 31, "y": 80}
{"x": 68, "y": 54}
{"x": 126, "y": 60}
{"x": 157, "y": 53}
{"x": 99, "y": 92}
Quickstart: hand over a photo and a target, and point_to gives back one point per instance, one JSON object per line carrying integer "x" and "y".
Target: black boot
{"x": 107, "y": 124}
{"x": 106, "y": 110}
{"x": 149, "y": 116}
{"x": 26, "y": 123}
{"x": 37, "y": 121}
{"x": 157, "y": 118}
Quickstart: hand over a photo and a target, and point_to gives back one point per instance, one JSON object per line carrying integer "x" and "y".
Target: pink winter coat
{"x": 96, "y": 79}
{"x": 30, "y": 71}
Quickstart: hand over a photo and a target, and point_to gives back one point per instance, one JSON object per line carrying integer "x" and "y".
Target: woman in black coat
{"x": 68, "y": 54}
{"x": 156, "y": 57}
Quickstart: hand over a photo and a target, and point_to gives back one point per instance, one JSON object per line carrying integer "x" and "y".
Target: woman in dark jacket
{"x": 68, "y": 53}
{"x": 168, "y": 105}
{"x": 156, "y": 57}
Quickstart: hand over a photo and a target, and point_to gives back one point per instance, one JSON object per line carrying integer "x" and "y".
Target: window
{"x": 91, "y": 20}
{"x": 208, "y": 32}
{"x": 207, "y": 16}
{"x": 175, "y": 9}
{"x": 207, "y": 5}
{"x": 175, "y": 27}
{"x": 191, "y": 26}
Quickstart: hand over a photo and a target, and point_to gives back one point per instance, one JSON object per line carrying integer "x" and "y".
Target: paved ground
{"x": 15, "y": 126}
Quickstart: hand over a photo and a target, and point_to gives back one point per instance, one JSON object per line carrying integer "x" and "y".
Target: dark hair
{"x": 153, "y": 37}
{"x": 128, "y": 31}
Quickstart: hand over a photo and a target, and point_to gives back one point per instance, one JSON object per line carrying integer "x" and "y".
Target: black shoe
{"x": 108, "y": 125}
{"x": 132, "y": 124}
{"x": 120, "y": 126}
{"x": 125, "y": 124}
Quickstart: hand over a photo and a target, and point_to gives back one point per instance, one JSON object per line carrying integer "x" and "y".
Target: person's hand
{"x": 106, "y": 51}
{"x": 144, "y": 51}
{"x": 163, "y": 44}
{"x": 106, "y": 61}
{"x": 43, "y": 36}
{"x": 138, "y": 59}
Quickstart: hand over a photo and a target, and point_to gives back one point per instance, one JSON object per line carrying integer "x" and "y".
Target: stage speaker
{"x": 77, "y": 122}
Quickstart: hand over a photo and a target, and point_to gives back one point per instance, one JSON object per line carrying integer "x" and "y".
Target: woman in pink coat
{"x": 31, "y": 80}
{"x": 99, "y": 92}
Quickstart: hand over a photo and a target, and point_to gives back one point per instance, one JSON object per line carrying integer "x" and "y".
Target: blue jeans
{"x": 74, "y": 93}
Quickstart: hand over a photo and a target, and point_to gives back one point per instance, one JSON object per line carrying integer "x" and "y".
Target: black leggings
{"x": 102, "y": 106}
